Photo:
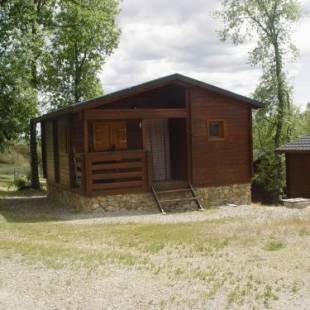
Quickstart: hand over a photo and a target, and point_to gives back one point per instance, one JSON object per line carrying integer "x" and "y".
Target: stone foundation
{"x": 140, "y": 201}
{"x": 239, "y": 194}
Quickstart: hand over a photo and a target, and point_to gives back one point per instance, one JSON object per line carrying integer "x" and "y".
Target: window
{"x": 216, "y": 130}
{"x": 109, "y": 136}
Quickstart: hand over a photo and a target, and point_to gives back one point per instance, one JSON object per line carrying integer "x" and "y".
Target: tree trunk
{"x": 34, "y": 156}
{"x": 279, "y": 124}
{"x": 35, "y": 85}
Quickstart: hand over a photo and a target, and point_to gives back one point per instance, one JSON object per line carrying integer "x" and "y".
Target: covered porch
{"x": 127, "y": 150}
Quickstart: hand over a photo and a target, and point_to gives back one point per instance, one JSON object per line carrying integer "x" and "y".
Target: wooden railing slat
{"x": 120, "y": 165}
{"x": 114, "y": 161}
{"x": 119, "y": 175}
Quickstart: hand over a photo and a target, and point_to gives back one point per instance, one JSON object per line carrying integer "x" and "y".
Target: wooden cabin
{"x": 119, "y": 150}
{"x": 297, "y": 158}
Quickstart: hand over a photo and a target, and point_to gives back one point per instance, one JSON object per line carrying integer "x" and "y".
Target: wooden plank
{"x": 100, "y": 114}
{"x": 117, "y": 185}
{"x": 189, "y": 134}
{"x": 120, "y": 165}
{"x": 118, "y": 175}
{"x": 43, "y": 149}
{"x": 117, "y": 156}
{"x": 56, "y": 151}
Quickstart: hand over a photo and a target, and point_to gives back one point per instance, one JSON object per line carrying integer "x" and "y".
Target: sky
{"x": 162, "y": 37}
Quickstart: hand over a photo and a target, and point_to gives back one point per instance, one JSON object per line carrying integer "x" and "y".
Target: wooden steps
{"x": 180, "y": 191}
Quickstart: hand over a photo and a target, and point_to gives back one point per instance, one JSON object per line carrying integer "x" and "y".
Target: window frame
{"x": 223, "y": 129}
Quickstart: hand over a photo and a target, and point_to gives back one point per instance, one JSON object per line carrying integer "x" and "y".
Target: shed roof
{"x": 301, "y": 145}
{"x": 157, "y": 83}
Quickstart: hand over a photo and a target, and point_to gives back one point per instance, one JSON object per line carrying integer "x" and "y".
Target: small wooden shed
{"x": 297, "y": 157}
{"x": 116, "y": 149}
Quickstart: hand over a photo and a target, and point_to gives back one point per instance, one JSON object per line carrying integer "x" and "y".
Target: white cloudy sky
{"x": 161, "y": 37}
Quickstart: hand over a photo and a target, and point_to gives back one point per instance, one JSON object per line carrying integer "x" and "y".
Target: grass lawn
{"x": 218, "y": 263}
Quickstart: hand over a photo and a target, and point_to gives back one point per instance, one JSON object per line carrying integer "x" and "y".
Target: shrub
{"x": 21, "y": 183}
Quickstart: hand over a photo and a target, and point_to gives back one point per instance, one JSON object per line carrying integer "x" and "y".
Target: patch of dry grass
{"x": 231, "y": 262}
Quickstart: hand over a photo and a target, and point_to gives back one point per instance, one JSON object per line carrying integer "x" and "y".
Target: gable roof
{"x": 301, "y": 145}
{"x": 147, "y": 86}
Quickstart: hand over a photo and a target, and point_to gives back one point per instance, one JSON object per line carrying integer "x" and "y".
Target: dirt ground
{"x": 246, "y": 257}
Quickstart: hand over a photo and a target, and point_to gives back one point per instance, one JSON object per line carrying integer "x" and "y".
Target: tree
{"x": 269, "y": 23}
{"x": 305, "y": 121}
{"x": 85, "y": 35}
{"x": 16, "y": 99}
{"x": 59, "y": 47}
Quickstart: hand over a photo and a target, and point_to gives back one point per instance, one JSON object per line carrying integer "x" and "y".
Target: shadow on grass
{"x": 30, "y": 206}
{"x": 26, "y": 206}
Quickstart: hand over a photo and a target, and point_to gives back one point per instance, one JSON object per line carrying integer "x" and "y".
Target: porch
{"x": 124, "y": 154}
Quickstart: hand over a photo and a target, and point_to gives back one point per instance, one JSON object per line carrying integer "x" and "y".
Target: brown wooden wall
{"x": 49, "y": 148}
{"x": 76, "y": 130}
{"x": 298, "y": 175}
{"x": 63, "y": 152}
{"x": 227, "y": 161}
{"x": 57, "y": 160}
{"x": 170, "y": 96}
{"x": 134, "y": 135}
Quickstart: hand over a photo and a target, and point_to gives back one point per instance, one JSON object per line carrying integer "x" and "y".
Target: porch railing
{"x": 112, "y": 172}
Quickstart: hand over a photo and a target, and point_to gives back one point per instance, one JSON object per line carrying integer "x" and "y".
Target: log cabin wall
{"x": 57, "y": 160}
{"x": 76, "y": 130}
{"x": 222, "y": 162}
{"x": 63, "y": 152}
{"x": 49, "y": 149}
{"x": 134, "y": 135}
{"x": 170, "y": 96}
{"x": 298, "y": 175}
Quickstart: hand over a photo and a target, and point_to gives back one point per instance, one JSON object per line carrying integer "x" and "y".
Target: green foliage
{"x": 304, "y": 122}
{"x": 50, "y": 49}
{"x": 268, "y": 23}
{"x": 21, "y": 183}
{"x": 85, "y": 35}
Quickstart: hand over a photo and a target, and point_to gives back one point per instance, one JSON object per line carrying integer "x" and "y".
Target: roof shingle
{"x": 301, "y": 145}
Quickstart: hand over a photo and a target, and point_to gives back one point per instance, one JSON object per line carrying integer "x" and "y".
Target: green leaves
{"x": 86, "y": 34}
{"x": 51, "y": 52}
{"x": 268, "y": 23}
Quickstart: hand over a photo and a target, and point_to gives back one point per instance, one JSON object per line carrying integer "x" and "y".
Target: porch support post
{"x": 86, "y": 175}
{"x": 34, "y": 155}
{"x": 147, "y": 148}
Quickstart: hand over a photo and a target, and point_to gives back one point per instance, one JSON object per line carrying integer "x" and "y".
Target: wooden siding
{"x": 228, "y": 161}
{"x": 170, "y": 96}
{"x": 298, "y": 175}
{"x": 134, "y": 135}
{"x": 77, "y": 136}
{"x": 49, "y": 148}
{"x": 193, "y": 156}
{"x": 63, "y": 152}
{"x": 59, "y": 128}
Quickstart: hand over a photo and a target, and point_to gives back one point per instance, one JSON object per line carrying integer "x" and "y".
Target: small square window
{"x": 216, "y": 130}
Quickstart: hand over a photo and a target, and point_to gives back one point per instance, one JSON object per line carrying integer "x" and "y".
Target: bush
{"x": 21, "y": 183}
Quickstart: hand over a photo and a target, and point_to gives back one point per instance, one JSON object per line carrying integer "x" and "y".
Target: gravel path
{"x": 253, "y": 212}
{"x": 238, "y": 276}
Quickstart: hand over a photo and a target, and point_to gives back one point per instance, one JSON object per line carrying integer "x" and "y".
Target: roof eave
{"x": 147, "y": 86}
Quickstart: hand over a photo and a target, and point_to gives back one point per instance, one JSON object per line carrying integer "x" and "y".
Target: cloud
{"x": 162, "y": 37}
